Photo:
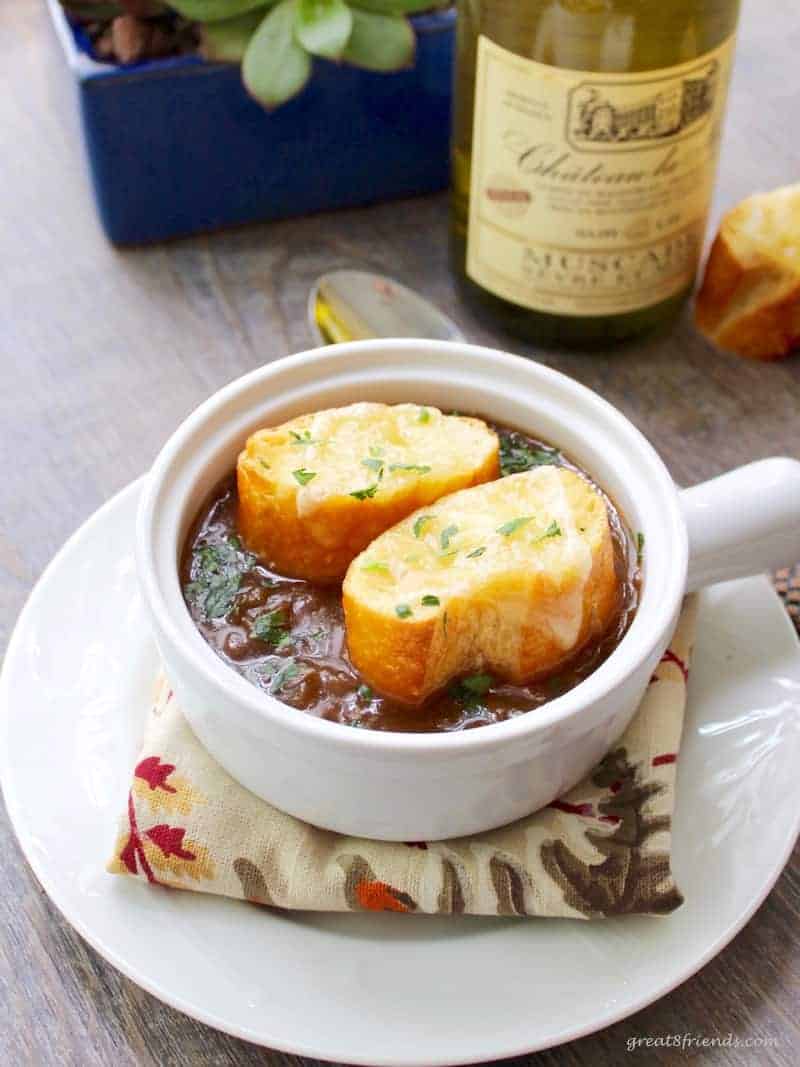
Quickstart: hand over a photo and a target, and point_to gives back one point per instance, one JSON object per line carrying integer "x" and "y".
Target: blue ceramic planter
{"x": 177, "y": 146}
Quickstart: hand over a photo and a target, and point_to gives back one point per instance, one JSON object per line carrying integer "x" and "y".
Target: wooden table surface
{"x": 103, "y": 352}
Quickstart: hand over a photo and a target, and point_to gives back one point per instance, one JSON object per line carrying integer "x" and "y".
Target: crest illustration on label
{"x": 589, "y": 192}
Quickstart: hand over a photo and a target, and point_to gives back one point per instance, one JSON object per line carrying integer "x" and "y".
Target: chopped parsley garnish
{"x": 272, "y": 627}
{"x": 447, "y": 533}
{"x": 303, "y": 438}
{"x": 373, "y": 464}
{"x": 402, "y": 611}
{"x": 553, "y": 530}
{"x": 377, "y": 566}
{"x": 365, "y": 494}
{"x": 264, "y": 464}
{"x": 424, "y": 416}
{"x": 280, "y": 671}
{"x": 375, "y": 450}
{"x": 417, "y": 468}
{"x": 477, "y": 683}
{"x": 420, "y": 523}
{"x": 517, "y": 456}
{"x": 639, "y": 546}
{"x": 220, "y": 595}
{"x": 470, "y": 689}
{"x": 303, "y": 476}
{"x": 430, "y": 601}
{"x": 216, "y": 576}
{"x": 305, "y": 638}
{"x": 510, "y": 527}
{"x": 364, "y": 692}
{"x": 556, "y": 685}
{"x": 476, "y": 552}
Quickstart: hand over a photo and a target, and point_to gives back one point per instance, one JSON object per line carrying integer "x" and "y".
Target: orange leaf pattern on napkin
{"x": 603, "y": 849}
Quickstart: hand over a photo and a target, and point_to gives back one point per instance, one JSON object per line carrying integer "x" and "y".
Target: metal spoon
{"x": 353, "y": 305}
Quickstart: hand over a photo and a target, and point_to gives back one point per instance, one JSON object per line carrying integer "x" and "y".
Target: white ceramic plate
{"x": 382, "y": 989}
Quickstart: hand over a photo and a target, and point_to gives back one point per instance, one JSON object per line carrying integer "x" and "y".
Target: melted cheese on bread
{"x": 315, "y": 491}
{"x": 511, "y": 577}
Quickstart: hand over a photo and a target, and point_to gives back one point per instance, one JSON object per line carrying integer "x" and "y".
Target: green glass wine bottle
{"x": 585, "y": 144}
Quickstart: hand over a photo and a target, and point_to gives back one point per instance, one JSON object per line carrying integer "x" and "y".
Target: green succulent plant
{"x": 275, "y": 40}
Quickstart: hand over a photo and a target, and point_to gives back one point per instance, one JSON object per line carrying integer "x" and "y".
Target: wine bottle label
{"x": 590, "y": 191}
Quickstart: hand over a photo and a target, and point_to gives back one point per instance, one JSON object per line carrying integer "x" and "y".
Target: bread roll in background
{"x": 749, "y": 301}
{"x": 316, "y": 490}
{"x": 512, "y": 577}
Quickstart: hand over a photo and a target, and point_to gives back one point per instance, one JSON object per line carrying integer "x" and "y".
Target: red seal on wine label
{"x": 508, "y": 196}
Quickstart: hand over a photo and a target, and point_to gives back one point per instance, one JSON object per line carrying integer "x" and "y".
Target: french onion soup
{"x": 395, "y": 568}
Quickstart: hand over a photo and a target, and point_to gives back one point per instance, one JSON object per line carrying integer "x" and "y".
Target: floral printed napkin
{"x": 603, "y": 849}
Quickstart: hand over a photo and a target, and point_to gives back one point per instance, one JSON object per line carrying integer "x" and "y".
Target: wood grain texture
{"x": 102, "y": 352}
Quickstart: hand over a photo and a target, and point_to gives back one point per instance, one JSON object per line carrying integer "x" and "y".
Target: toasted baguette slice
{"x": 749, "y": 301}
{"x": 315, "y": 491}
{"x": 511, "y": 577}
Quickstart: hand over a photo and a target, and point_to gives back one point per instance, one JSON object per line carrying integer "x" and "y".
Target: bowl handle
{"x": 743, "y": 522}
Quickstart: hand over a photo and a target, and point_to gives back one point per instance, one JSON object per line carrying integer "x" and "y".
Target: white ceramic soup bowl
{"x": 400, "y": 786}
